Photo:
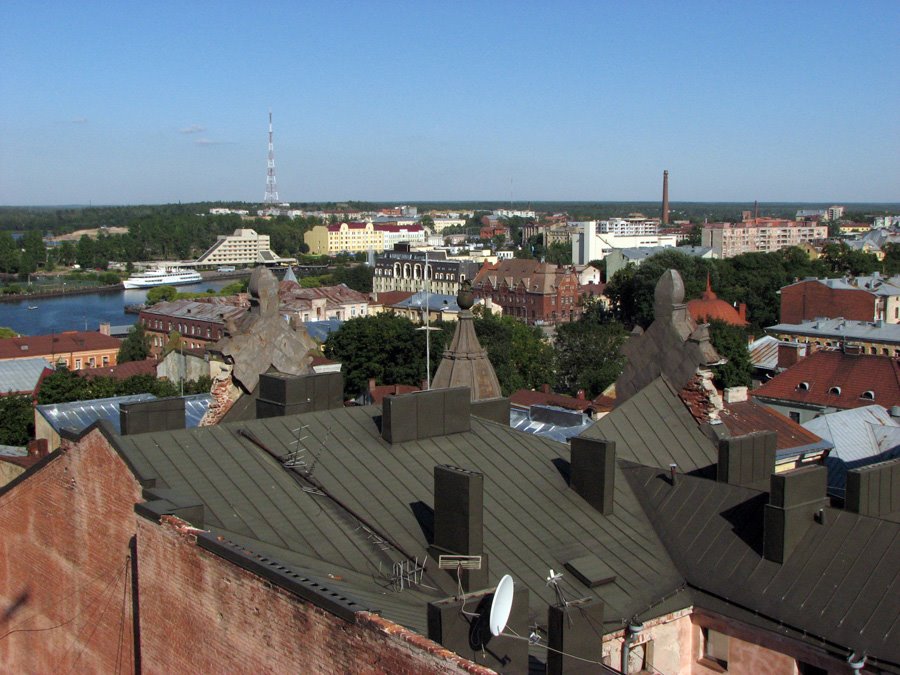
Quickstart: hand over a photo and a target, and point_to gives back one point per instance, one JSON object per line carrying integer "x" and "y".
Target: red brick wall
{"x": 64, "y": 543}
{"x": 810, "y": 299}
{"x": 201, "y": 613}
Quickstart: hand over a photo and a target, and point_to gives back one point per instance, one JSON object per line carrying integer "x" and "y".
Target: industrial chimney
{"x": 665, "y": 204}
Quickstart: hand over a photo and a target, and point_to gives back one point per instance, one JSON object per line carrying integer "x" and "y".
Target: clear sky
{"x": 150, "y": 102}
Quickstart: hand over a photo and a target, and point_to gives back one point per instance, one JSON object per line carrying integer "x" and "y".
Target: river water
{"x": 81, "y": 312}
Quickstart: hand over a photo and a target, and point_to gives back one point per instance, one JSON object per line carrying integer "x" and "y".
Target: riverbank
{"x": 61, "y": 292}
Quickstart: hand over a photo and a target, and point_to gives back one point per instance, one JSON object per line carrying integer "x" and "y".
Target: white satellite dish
{"x": 501, "y": 605}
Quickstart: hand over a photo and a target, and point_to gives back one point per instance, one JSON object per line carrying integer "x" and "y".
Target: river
{"x": 81, "y": 312}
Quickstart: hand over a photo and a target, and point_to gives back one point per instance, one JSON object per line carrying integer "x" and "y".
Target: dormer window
{"x": 803, "y": 386}
{"x": 868, "y": 395}
{"x": 835, "y": 390}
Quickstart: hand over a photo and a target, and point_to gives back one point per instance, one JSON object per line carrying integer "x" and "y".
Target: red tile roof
{"x": 746, "y": 417}
{"x": 389, "y": 298}
{"x": 378, "y": 392}
{"x": 56, "y": 343}
{"x": 122, "y": 371}
{"x": 813, "y": 381}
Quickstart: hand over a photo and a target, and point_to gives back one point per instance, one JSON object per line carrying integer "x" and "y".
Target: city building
{"x": 73, "y": 349}
{"x": 359, "y": 237}
{"x": 339, "y": 302}
{"x": 619, "y": 258}
{"x": 588, "y": 244}
{"x": 710, "y": 307}
{"x": 403, "y": 269}
{"x": 199, "y": 322}
{"x": 628, "y": 227}
{"x": 535, "y": 292}
{"x": 865, "y": 298}
{"x": 759, "y": 235}
{"x": 867, "y": 337}
{"x": 834, "y": 212}
{"x": 827, "y": 381}
{"x": 244, "y": 247}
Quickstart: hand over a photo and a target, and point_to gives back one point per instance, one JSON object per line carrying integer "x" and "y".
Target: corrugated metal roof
{"x": 320, "y": 330}
{"x": 78, "y": 415}
{"x": 844, "y": 329}
{"x": 861, "y": 436}
{"x": 521, "y": 420}
{"x": 21, "y": 374}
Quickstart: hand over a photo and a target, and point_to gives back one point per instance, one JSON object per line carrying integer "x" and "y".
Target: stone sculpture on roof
{"x": 673, "y": 346}
{"x": 262, "y": 339}
{"x": 465, "y": 363}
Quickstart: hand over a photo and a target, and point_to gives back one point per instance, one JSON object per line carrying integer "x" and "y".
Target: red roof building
{"x": 74, "y": 349}
{"x": 709, "y": 307}
{"x": 122, "y": 371}
{"x": 827, "y": 381}
{"x": 532, "y": 291}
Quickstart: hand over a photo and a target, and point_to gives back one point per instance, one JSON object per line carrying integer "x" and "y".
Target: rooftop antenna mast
{"x": 271, "y": 188}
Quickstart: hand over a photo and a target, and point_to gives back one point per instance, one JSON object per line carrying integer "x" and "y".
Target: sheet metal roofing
{"x": 21, "y": 375}
{"x": 841, "y": 583}
{"x": 860, "y": 436}
{"x": 655, "y": 428}
{"x": 78, "y": 415}
{"x": 844, "y": 329}
{"x": 532, "y": 519}
{"x": 747, "y": 417}
{"x": 559, "y": 427}
{"x": 320, "y": 330}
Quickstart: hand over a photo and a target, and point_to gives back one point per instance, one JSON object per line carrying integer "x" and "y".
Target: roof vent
{"x": 803, "y": 386}
{"x": 835, "y": 390}
{"x": 868, "y": 395}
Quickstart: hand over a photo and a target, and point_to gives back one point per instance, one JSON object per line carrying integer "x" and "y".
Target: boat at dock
{"x": 163, "y": 277}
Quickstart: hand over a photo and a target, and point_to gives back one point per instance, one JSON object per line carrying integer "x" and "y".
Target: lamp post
{"x": 427, "y": 327}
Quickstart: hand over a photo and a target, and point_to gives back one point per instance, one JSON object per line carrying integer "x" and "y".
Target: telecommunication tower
{"x": 271, "y": 188}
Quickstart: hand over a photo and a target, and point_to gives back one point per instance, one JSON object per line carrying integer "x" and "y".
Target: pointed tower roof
{"x": 465, "y": 362}
{"x": 289, "y": 275}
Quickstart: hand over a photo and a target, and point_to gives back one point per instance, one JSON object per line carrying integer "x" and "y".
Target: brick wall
{"x": 65, "y": 600}
{"x": 811, "y": 299}
{"x": 66, "y": 580}
{"x": 201, "y": 613}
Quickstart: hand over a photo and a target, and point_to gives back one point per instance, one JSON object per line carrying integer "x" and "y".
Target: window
{"x": 715, "y": 648}
{"x": 810, "y": 669}
{"x": 640, "y": 658}
{"x": 795, "y": 416}
{"x": 105, "y": 360}
{"x": 77, "y": 364}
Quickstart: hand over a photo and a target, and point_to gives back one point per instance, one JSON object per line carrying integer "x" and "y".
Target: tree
{"x": 559, "y": 253}
{"x": 731, "y": 342}
{"x": 135, "y": 346}
{"x": 9, "y": 253}
{"x": 521, "y": 357}
{"x": 7, "y": 333}
{"x": 16, "y": 420}
{"x": 63, "y": 386}
{"x": 357, "y": 277}
{"x": 384, "y": 347}
{"x": 427, "y": 222}
{"x": 161, "y": 294}
{"x": 588, "y": 352}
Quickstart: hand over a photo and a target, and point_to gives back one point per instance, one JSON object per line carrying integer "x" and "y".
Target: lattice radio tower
{"x": 271, "y": 187}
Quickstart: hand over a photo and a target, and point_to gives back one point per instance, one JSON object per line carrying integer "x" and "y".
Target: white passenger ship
{"x": 163, "y": 277}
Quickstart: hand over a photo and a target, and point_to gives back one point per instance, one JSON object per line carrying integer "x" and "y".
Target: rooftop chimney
{"x": 424, "y": 414}
{"x": 795, "y": 497}
{"x": 593, "y": 471}
{"x": 459, "y": 520}
{"x": 163, "y": 414}
{"x": 875, "y": 489}
{"x": 788, "y": 354}
{"x": 746, "y": 460}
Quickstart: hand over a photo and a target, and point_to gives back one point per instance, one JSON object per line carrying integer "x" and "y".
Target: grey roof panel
{"x": 21, "y": 374}
{"x": 655, "y": 428}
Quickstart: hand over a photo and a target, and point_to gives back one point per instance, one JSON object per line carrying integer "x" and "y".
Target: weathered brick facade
{"x": 807, "y": 300}
{"x": 66, "y": 582}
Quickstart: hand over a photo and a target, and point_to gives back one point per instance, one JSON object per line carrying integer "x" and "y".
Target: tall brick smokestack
{"x": 665, "y": 205}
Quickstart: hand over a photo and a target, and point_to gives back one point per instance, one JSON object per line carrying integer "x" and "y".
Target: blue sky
{"x": 152, "y": 102}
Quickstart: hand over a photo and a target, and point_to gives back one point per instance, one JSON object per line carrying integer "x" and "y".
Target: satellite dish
{"x": 501, "y": 606}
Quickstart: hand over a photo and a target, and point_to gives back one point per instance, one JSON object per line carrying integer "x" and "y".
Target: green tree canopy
{"x": 521, "y": 357}
{"x": 16, "y": 420}
{"x": 161, "y": 294}
{"x": 135, "y": 346}
{"x": 588, "y": 352}
{"x": 385, "y": 347}
{"x": 7, "y": 333}
{"x": 731, "y": 342}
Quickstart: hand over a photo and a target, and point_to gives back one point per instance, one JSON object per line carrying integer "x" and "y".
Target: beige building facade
{"x": 731, "y": 239}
